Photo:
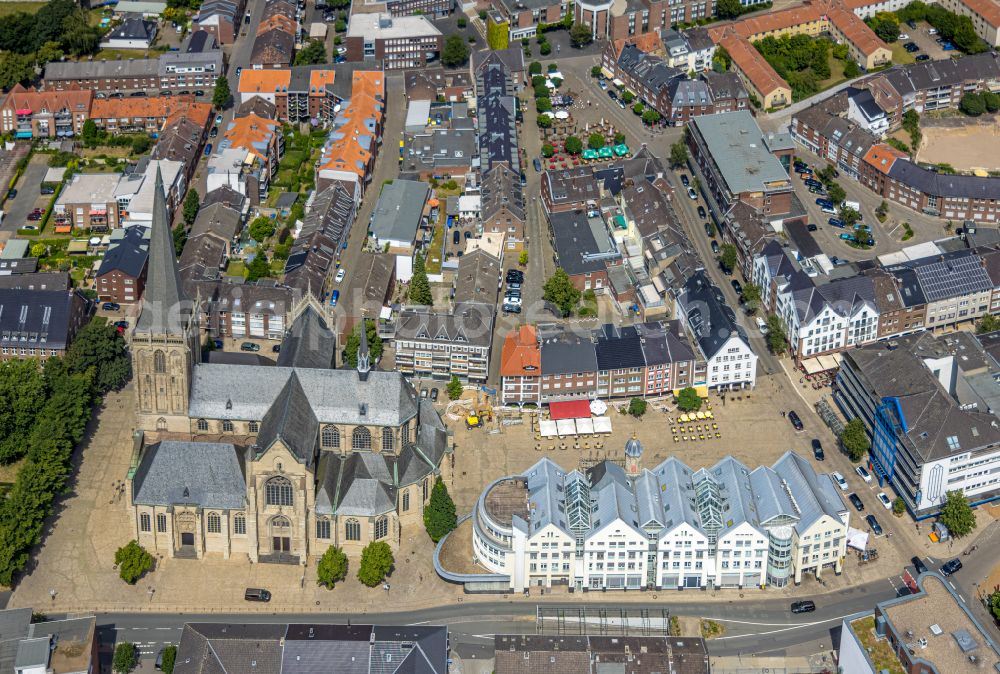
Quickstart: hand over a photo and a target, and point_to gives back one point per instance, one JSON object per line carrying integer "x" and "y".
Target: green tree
{"x": 851, "y": 70}
{"x": 595, "y": 141}
{"x": 133, "y": 561}
{"x": 332, "y": 567}
{"x": 988, "y": 323}
{"x": 221, "y": 94}
{"x": 777, "y": 340}
{"x": 688, "y": 400}
{"x": 898, "y": 506}
{"x": 560, "y": 291}
{"x": 638, "y": 108}
{"x": 89, "y": 133}
{"x": 545, "y": 49}
{"x": 841, "y": 51}
{"x": 580, "y": 35}
{"x": 376, "y": 563}
{"x": 461, "y": 22}
{"x": 627, "y": 97}
{"x": 678, "y": 154}
{"x": 548, "y": 150}
{"x": 751, "y": 298}
{"x": 972, "y": 104}
{"x": 885, "y": 25}
{"x": 522, "y": 258}
{"x": 420, "y": 286}
{"x": 573, "y": 145}
{"x": 259, "y": 267}
{"x": 849, "y": 216}
{"x": 619, "y": 138}
{"x": 637, "y": 407}
{"x": 854, "y": 439}
{"x": 180, "y": 238}
{"x": 728, "y": 9}
{"x": 455, "y": 52}
{"x": 543, "y": 122}
{"x": 595, "y": 71}
{"x": 169, "y": 658}
{"x": 721, "y": 60}
{"x": 455, "y": 388}
{"x": 101, "y": 348}
{"x": 439, "y": 515}
{"x": 262, "y": 228}
{"x": 534, "y": 68}
{"x": 125, "y": 659}
{"x": 727, "y": 257}
{"x": 991, "y": 100}
{"x": 354, "y": 340}
{"x": 15, "y": 69}
{"x": 956, "y": 514}
{"x": 22, "y": 393}
{"x": 314, "y": 53}
{"x": 39, "y": 249}
{"x": 543, "y": 104}
{"x": 191, "y": 205}
{"x": 836, "y": 193}
{"x": 650, "y": 116}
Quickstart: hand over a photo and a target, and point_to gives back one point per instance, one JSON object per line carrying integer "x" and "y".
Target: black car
{"x": 919, "y": 565}
{"x": 818, "y": 450}
{"x": 434, "y": 394}
{"x": 950, "y": 567}
{"x": 701, "y": 212}
{"x": 513, "y": 277}
{"x": 796, "y": 422}
{"x": 138, "y": 94}
{"x": 111, "y": 306}
{"x": 214, "y": 132}
{"x": 684, "y": 180}
{"x": 256, "y": 594}
{"x": 856, "y": 502}
{"x": 47, "y": 189}
{"x": 12, "y": 194}
{"x": 806, "y": 606}
{"x": 923, "y": 57}
{"x": 276, "y": 348}
{"x": 912, "y": 24}
{"x": 199, "y": 92}
{"x": 736, "y": 286}
{"x": 709, "y": 230}
{"x": 873, "y": 523}
{"x": 456, "y": 237}
{"x": 715, "y": 247}
{"x": 811, "y": 227}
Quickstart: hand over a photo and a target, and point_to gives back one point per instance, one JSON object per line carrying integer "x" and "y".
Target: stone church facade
{"x": 275, "y": 463}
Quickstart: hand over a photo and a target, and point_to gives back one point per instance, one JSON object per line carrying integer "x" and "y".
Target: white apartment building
{"x": 615, "y": 528}
{"x": 730, "y": 362}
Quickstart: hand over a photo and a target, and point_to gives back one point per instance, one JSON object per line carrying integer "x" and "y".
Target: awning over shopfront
{"x": 607, "y": 73}
{"x": 570, "y": 409}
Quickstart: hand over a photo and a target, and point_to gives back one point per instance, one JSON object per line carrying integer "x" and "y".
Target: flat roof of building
{"x": 383, "y": 26}
{"x": 739, "y": 150}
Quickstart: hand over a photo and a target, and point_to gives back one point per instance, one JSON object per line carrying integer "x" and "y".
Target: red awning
{"x": 23, "y": 111}
{"x": 570, "y": 409}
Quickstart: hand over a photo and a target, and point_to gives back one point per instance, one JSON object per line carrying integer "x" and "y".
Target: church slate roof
{"x": 308, "y": 343}
{"x": 290, "y": 421}
{"x": 361, "y": 484}
{"x": 163, "y": 293}
{"x": 246, "y": 392}
{"x": 206, "y": 474}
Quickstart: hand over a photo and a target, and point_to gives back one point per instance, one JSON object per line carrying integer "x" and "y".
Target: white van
{"x": 761, "y": 325}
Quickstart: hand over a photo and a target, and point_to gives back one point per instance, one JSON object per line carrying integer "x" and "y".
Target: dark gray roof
{"x": 477, "y": 278}
{"x": 618, "y": 347}
{"x": 133, "y": 28}
{"x": 664, "y": 342}
{"x": 501, "y": 188}
{"x": 273, "y": 48}
{"x": 647, "y": 68}
{"x": 226, "y": 196}
{"x": 222, "y": 648}
{"x": 163, "y": 294}
{"x": 198, "y": 42}
{"x": 803, "y": 239}
{"x": 942, "y": 184}
{"x": 572, "y": 186}
{"x": 577, "y": 244}
{"x": 497, "y": 125}
{"x": 13, "y": 627}
{"x": 37, "y": 318}
{"x": 685, "y": 92}
{"x": 43, "y": 280}
{"x": 711, "y": 320}
{"x": 469, "y": 323}
{"x": 205, "y": 474}
{"x": 512, "y": 58}
{"x": 256, "y": 105}
{"x": 724, "y": 86}
{"x": 398, "y": 211}
{"x": 323, "y": 232}
{"x": 91, "y": 70}
{"x": 866, "y": 102}
{"x": 290, "y": 421}
{"x": 566, "y": 353}
{"x": 128, "y": 254}
{"x": 907, "y": 79}
{"x": 360, "y": 484}
{"x": 309, "y": 342}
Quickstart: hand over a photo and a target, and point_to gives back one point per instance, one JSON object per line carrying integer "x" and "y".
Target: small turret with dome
{"x": 633, "y": 455}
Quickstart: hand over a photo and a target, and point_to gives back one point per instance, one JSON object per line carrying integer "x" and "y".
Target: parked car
{"x": 839, "y": 479}
{"x": 903, "y": 36}
{"x": 537, "y": 164}
{"x": 950, "y": 567}
{"x": 811, "y": 227}
{"x": 30, "y": 227}
{"x": 715, "y": 247}
{"x": 762, "y": 325}
{"x": 856, "y": 502}
{"x": 736, "y": 286}
{"x": 863, "y": 473}
{"x": 434, "y": 394}
{"x": 804, "y": 606}
{"x": 818, "y": 191}
{"x": 692, "y": 194}
{"x": 208, "y": 150}
{"x": 701, "y": 212}
{"x": 199, "y": 92}
{"x": 424, "y": 392}
{"x": 138, "y": 94}
{"x": 824, "y": 202}
{"x": 884, "y": 500}
{"x": 875, "y": 526}
{"x": 796, "y": 422}
{"x": 12, "y": 193}
{"x": 111, "y": 306}
{"x": 918, "y": 565}
{"x": 456, "y": 237}
{"x": 923, "y": 57}
{"x": 334, "y": 296}
{"x": 835, "y": 222}
{"x": 515, "y": 275}
{"x": 512, "y": 308}
{"x": 256, "y": 594}
{"x": 218, "y": 119}
{"x": 249, "y": 346}
{"x": 219, "y": 344}
{"x": 818, "y": 449}
{"x": 214, "y": 132}
{"x": 684, "y": 180}
{"x": 341, "y": 273}
{"x": 47, "y": 189}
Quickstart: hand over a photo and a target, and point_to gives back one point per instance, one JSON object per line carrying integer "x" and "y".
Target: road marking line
{"x": 786, "y": 629}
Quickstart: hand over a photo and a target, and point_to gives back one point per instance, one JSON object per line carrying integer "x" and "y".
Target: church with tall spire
{"x": 271, "y": 463}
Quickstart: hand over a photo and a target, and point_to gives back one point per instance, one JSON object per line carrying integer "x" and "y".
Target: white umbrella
{"x": 598, "y": 407}
{"x": 562, "y": 114}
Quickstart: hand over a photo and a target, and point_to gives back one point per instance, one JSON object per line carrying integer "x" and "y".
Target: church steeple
{"x": 364, "y": 358}
{"x": 164, "y": 310}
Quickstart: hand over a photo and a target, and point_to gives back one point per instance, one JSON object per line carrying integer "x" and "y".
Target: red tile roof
{"x": 882, "y": 157}
{"x": 521, "y": 355}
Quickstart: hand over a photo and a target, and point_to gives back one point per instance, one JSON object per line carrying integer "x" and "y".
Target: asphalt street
{"x": 16, "y": 210}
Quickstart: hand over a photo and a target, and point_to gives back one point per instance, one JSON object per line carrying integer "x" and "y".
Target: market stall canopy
{"x": 570, "y": 409}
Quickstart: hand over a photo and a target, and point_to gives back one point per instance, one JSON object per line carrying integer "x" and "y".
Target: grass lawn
{"x": 879, "y": 650}
{"x": 236, "y": 268}
{"x": 8, "y": 8}
{"x": 433, "y": 262}
{"x": 9, "y": 472}
{"x": 124, "y": 54}
{"x": 899, "y": 55}
{"x": 836, "y": 74}
{"x": 107, "y": 151}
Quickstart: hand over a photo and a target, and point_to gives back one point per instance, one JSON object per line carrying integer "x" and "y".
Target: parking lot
{"x": 927, "y": 42}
